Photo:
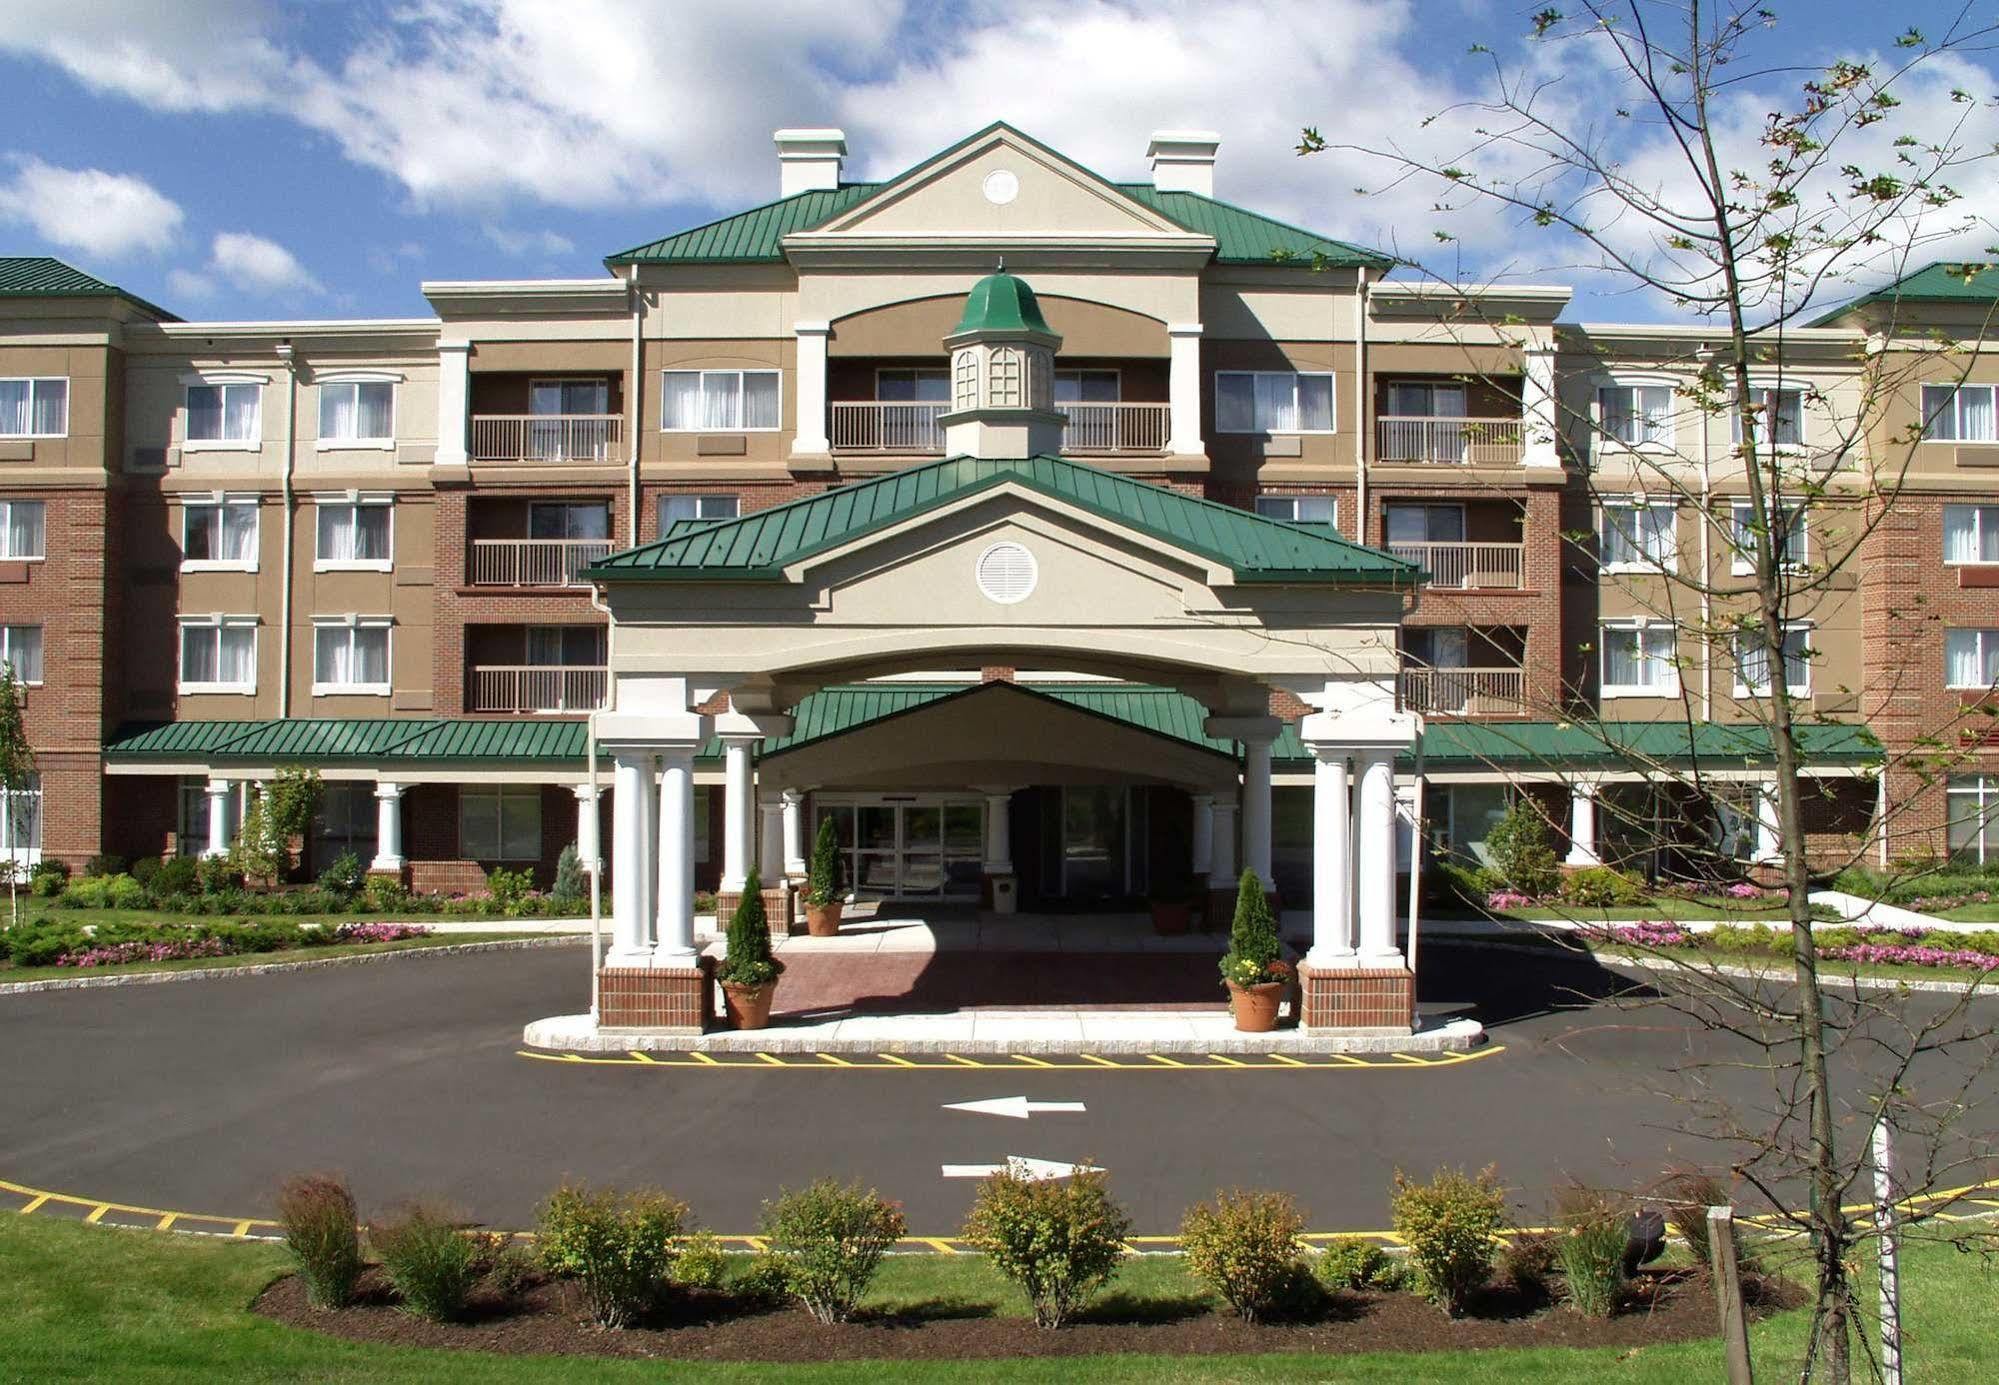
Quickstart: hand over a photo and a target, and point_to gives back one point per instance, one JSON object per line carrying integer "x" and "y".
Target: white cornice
{"x": 274, "y": 333}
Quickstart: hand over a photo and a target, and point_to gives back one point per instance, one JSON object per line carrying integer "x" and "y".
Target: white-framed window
{"x": 35, "y": 406}
{"x": 1638, "y": 537}
{"x": 1971, "y": 805}
{"x": 1752, "y": 662}
{"x": 1273, "y": 401}
{"x": 1971, "y": 659}
{"x": 1300, "y": 509}
{"x": 1780, "y": 420}
{"x": 23, "y": 529}
{"x": 738, "y": 401}
{"x": 569, "y": 519}
{"x": 1959, "y": 413}
{"x": 350, "y": 654}
{"x": 357, "y": 411}
{"x": 1636, "y": 414}
{"x": 1971, "y": 533}
{"x": 21, "y": 823}
{"x": 1638, "y": 658}
{"x": 356, "y": 533}
{"x": 218, "y": 654}
{"x": 1086, "y": 387}
{"x": 899, "y": 385}
{"x": 1791, "y": 540}
{"x": 499, "y": 823}
{"x": 225, "y": 414}
{"x": 673, "y": 508}
{"x": 21, "y": 650}
{"x": 218, "y": 533}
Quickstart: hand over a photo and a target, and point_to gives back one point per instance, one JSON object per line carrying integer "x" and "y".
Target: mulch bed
{"x": 1662, "y": 1307}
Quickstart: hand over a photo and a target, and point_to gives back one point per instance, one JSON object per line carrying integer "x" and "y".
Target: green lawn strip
{"x": 94, "y": 1303}
{"x": 1777, "y": 967}
{"x": 10, "y": 973}
{"x": 1653, "y": 909}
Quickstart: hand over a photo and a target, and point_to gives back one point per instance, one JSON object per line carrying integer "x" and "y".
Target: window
{"x": 1638, "y": 536}
{"x": 566, "y": 646}
{"x": 219, "y": 534}
{"x": 1273, "y": 401}
{"x": 218, "y": 654}
{"x": 499, "y": 824}
{"x": 1971, "y": 533}
{"x": 347, "y": 821}
{"x": 192, "y": 838}
{"x": 1424, "y": 523}
{"x": 1638, "y": 659}
{"x": 1636, "y": 414}
{"x": 354, "y": 535}
{"x": 1790, "y": 539}
{"x": 21, "y": 822}
{"x": 350, "y": 654}
{"x": 1300, "y": 509}
{"x": 1958, "y": 413}
{"x": 357, "y": 412}
{"x": 34, "y": 408}
{"x": 563, "y": 520}
{"x": 1752, "y": 662}
{"x": 912, "y": 387}
{"x": 738, "y": 400}
{"x": 21, "y": 650}
{"x": 1972, "y": 811}
{"x": 1780, "y": 421}
{"x": 23, "y": 532}
{"x": 1086, "y": 387}
{"x": 225, "y": 413}
{"x": 1435, "y": 646}
{"x": 573, "y": 398}
{"x": 1970, "y": 658}
{"x": 1409, "y": 399}
{"x": 673, "y": 508}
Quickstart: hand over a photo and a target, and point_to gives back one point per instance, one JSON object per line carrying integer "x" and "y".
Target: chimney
{"x": 1184, "y": 160}
{"x": 809, "y": 160}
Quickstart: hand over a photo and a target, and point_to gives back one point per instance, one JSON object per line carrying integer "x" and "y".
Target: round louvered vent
{"x": 1006, "y": 573}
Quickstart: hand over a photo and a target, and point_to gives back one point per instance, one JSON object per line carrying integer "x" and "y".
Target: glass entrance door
{"x": 916, "y": 846}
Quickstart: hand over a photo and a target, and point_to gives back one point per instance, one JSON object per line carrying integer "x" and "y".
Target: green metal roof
{"x": 1001, "y": 302}
{"x": 44, "y": 276}
{"x": 1246, "y": 237}
{"x": 752, "y": 237}
{"x": 1628, "y": 744}
{"x": 379, "y": 739}
{"x": 758, "y": 546}
{"x": 1944, "y": 281}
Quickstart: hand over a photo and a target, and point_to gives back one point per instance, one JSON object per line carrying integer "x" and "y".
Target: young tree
{"x": 283, "y": 812}
{"x": 1700, "y": 168}
{"x": 17, "y": 777}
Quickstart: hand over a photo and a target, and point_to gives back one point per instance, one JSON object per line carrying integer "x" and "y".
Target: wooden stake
{"x": 1728, "y": 1294}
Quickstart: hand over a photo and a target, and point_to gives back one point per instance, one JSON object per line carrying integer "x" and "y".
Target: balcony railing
{"x": 1466, "y": 566}
{"x": 537, "y": 688}
{"x": 874, "y": 426}
{"x": 1466, "y": 692}
{"x": 546, "y": 437}
{"x": 1450, "y": 441}
{"x": 1115, "y": 427}
{"x": 532, "y": 562}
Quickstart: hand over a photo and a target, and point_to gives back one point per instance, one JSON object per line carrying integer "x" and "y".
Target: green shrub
{"x": 748, "y": 960}
{"x": 105, "y": 892}
{"x": 513, "y": 1269}
{"x": 144, "y": 869}
{"x": 1253, "y": 941}
{"x": 1398, "y": 1276}
{"x": 1757, "y": 938}
{"x": 41, "y": 943}
{"x": 48, "y": 878}
{"x": 1590, "y": 1249}
{"x": 1520, "y": 851}
{"x": 822, "y": 878}
{"x": 701, "y": 1263}
{"x": 619, "y": 1249}
{"x": 1687, "y": 1195}
{"x": 570, "y": 879}
{"x": 321, "y": 1232}
{"x": 345, "y": 876}
{"x": 1600, "y": 887}
{"x": 177, "y": 875}
{"x": 217, "y": 875}
{"x": 831, "y": 1237}
{"x": 103, "y": 865}
{"x": 1244, "y": 1246}
{"x": 1450, "y": 1225}
{"x": 1529, "y": 1260}
{"x": 429, "y": 1260}
{"x": 509, "y": 887}
{"x": 1059, "y": 1240}
{"x": 765, "y": 1282}
{"x": 384, "y": 894}
{"x": 1350, "y": 1264}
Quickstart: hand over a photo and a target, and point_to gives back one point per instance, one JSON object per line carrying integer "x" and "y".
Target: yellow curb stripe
{"x": 772, "y": 1059}
{"x": 1286, "y": 1060}
{"x": 97, "y": 1212}
{"x": 938, "y": 1243}
{"x": 963, "y": 1062}
{"x": 35, "y": 1204}
{"x": 833, "y": 1059}
{"x": 242, "y": 1230}
{"x": 638, "y": 1057}
{"x": 1169, "y": 1062}
{"x": 895, "y": 1059}
{"x": 1226, "y": 1061}
{"x": 1030, "y": 1060}
{"x": 1099, "y": 1061}
{"x": 701, "y": 1058}
{"x": 166, "y": 1223}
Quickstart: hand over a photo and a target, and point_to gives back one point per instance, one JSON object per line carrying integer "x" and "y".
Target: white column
{"x": 738, "y": 812}
{"x": 810, "y": 391}
{"x": 589, "y": 849}
{"x": 1221, "y": 848}
{"x": 1256, "y": 807}
{"x": 1769, "y": 832}
{"x": 794, "y": 833}
{"x": 675, "y": 945}
{"x": 1582, "y": 824}
{"x": 632, "y": 870}
{"x": 770, "y": 853}
{"x": 1374, "y": 862}
{"x": 454, "y": 400}
{"x": 1537, "y": 409}
{"x": 1204, "y": 834}
{"x": 218, "y": 818}
{"x": 1183, "y": 390}
{"x": 388, "y": 827}
{"x": 999, "y": 834}
{"x": 1332, "y": 860}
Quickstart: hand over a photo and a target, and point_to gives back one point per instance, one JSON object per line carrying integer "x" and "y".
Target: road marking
{"x": 772, "y": 1059}
{"x": 729, "y": 1061}
{"x": 1100, "y": 1062}
{"x": 1020, "y": 1166}
{"x": 97, "y": 1212}
{"x": 166, "y": 1222}
{"x": 895, "y": 1059}
{"x": 35, "y": 1205}
{"x": 1017, "y": 1107}
{"x": 639, "y": 1057}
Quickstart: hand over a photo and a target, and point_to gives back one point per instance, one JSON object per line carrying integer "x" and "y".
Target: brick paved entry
{"x": 826, "y": 985}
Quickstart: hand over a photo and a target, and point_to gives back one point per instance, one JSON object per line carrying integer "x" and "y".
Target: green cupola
{"x": 1002, "y": 302}
{"x": 1002, "y": 374}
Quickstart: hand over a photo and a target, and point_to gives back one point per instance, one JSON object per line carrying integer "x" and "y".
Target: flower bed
{"x": 61, "y": 943}
{"x": 1905, "y": 947}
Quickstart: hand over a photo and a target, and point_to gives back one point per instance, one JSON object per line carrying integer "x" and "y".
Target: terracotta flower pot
{"x": 823, "y": 920}
{"x": 748, "y": 1007}
{"x": 1171, "y": 917}
{"x": 1255, "y": 1006}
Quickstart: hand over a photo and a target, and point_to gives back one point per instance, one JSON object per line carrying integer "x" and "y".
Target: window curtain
{"x": 337, "y": 414}
{"x": 1960, "y": 534}
{"x": 333, "y": 658}
{"x": 544, "y": 645}
{"x": 239, "y": 412}
{"x": 1752, "y": 662}
{"x": 51, "y": 407}
{"x": 1963, "y": 665}
{"x": 682, "y": 406}
{"x": 1940, "y": 413}
{"x": 239, "y": 533}
{"x": 375, "y": 409}
{"x": 1276, "y": 403}
{"x": 371, "y": 655}
{"x": 336, "y": 533}
{"x": 23, "y": 532}
{"x": 14, "y": 407}
{"x": 23, "y": 650}
{"x": 1315, "y": 402}
{"x": 1623, "y": 661}
{"x": 760, "y": 399}
{"x": 370, "y": 528}
{"x": 1974, "y": 414}
{"x": 1235, "y": 403}
{"x": 204, "y": 412}
{"x": 721, "y": 399}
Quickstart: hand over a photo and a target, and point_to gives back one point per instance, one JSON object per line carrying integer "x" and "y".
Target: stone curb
{"x": 1861, "y": 983}
{"x": 154, "y": 978}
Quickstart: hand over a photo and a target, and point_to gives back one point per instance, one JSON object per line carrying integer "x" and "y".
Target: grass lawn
{"x": 11, "y": 973}
{"x": 93, "y": 1303}
{"x": 1777, "y": 967}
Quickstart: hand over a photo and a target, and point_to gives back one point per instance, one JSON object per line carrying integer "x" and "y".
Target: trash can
{"x": 1005, "y": 898}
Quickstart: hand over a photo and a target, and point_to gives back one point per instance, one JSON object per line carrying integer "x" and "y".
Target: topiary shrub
{"x": 830, "y": 1237}
{"x": 1590, "y": 1249}
{"x": 321, "y": 1232}
{"x": 431, "y": 1263}
{"x": 570, "y": 880}
{"x": 748, "y": 961}
{"x": 822, "y": 877}
{"x": 1451, "y": 1225}
{"x": 1244, "y": 1246}
{"x": 1350, "y": 1265}
{"x": 1521, "y": 855}
{"x": 1600, "y": 887}
{"x": 1253, "y": 940}
{"x": 1058, "y": 1240}
{"x": 618, "y": 1249}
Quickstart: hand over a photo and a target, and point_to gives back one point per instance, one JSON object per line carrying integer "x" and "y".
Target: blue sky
{"x": 251, "y": 159}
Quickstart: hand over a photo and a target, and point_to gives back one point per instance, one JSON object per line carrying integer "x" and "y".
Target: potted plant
{"x": 1172, "y": 905}
{"x": 749, "y": 973}
{"x": 822, "y": 884}
{"x": 1253, "y": 968}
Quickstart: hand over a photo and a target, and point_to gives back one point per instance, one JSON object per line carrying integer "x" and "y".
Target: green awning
{"x": 365, "y": 740}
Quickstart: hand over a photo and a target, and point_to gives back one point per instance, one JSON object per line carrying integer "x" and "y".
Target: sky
{"x": 254, "y": 159}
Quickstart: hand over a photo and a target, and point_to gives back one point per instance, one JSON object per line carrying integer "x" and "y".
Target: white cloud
{"x": 251, "y": 265}
{"x": 522, "y": 243}
{"x": 89, "y": 210}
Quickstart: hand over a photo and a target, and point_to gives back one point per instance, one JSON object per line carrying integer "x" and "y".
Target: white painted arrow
{"x": 1018, "y": 1107}
{"x": 1020, "y": 1166}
